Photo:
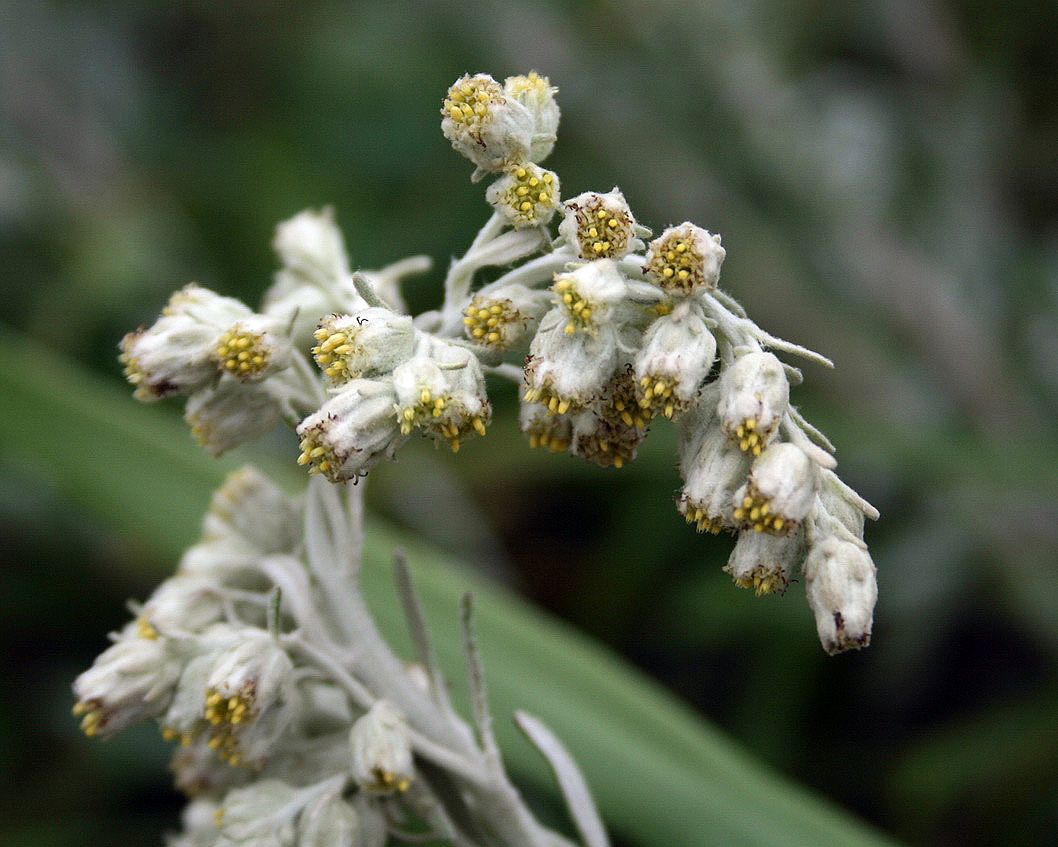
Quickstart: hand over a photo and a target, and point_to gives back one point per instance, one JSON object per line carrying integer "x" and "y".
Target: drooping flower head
{"x": 779, "y": 493}
{"x": 754, "y": 396}
{"x": 763, "y": 561}
{"x": 249, "y": 697}
{"x": 177, "y": 354}
{"x": 352, "y": 431}
{"x": 677, "y": 354}
{"x": 841, "y": 588}
{"x": 441, "y": 391}
{"x": 131, "y": 681}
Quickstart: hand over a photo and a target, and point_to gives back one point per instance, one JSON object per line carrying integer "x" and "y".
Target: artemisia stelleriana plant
{"x": 295, "y": 722}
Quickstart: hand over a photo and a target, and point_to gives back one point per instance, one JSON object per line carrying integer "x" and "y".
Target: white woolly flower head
{"x": 249, "y": 697}
{"x": 381, "y": 750}
{"x": 183, "y": 603}
{"x": 598, "y": 226}
{"x": 526, "y": 195}
{"x": 536, "y": 93}
{"x": 312, "y": 249}
{"x": 228, "y": 413}
{"x": 685, "y": 259}
{"x": 567, "y": 371}
{"x": 329, "y": 822}
{"x": 589, "y": 295}
{"x": 486, "y": 125}
{"x": 130, "y": 681}
{"x": 441, "y": 391}
{"x": 224, "y": 561}
{"x": 711, "y": 468}
{"x": 261, "y": 813}
{"x": 763, "y": 562}
{"x": 779, "y": 493}
{"x": 841, "y": 588}
{"x": 176, "y": 355}
{"x": 185, "y": 720}
{"x": 754, "y": 396}
{"x": 501, "y": 318}
{"x": 352, "y": 431}
{"x": 677, "y": 354}
{"x": 199, "y": 824}
{"x": 370, "y": 343}
{"x": 253, "y": 512}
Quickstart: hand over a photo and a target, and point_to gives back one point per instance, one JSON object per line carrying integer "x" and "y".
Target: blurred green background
{"x": 885, "y": 179}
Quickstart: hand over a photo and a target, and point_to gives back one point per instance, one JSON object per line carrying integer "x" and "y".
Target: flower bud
{"x": 129, "y": 682}
{"x": 763, "y": 562}
{"x": 374, "y": 828}
{"x": 182, "y": 603}
{"x": 183, "y": 720}
{"x": 329, "y": 822}
{"x": 352, "y": 431}
{"x": 298, "y": 305}
{"x": 598, "y": 226}
{"x": 264, "y": 809}
{"x": 677, "y": 354}
{"x": 754, "y": 396}
{"x": 176, "y": 354}
{"x": 253, "y": 511}
{"x": 484, "y": 124}
{"x": 841, "y": 589}
{"x": 536, "y": 93}
{"x": 503, "y": 317}
{"x": 199, "y": 825}
{"x": 229, "y": 413}
{"x": 223, "y": 562}
{"x": 381, "y": 750}
{"x": 589, "y": 295}
{"x": 370, "y": 343}
{"x": 442, "y": 392}
{"x": 545, "y": 428}
{"x": 312, "y": 249}
{"x": 685, "y": 258}
{"x": 525, "y": 195}
{"x": 779, "y": 493}
{"x": 253, "y": 348}
{"x": 251, "y": 683}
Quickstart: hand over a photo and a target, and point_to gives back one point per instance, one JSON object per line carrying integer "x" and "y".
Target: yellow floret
{"x": 242, "y": 353}
{"x": 755, "y": 513}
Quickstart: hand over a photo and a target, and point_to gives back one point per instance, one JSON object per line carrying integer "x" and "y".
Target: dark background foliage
{"x": 883, "y": 174}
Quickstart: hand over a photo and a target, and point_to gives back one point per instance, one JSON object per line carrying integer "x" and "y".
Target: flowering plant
{"x": 297, "y": 723}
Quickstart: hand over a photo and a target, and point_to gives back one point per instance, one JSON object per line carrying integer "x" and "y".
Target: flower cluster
{"x": 269, "y": 743}
{"x": 296, "y": 724}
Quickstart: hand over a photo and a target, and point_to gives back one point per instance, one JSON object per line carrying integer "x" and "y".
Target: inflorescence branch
{"x": 297, "y": 724}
